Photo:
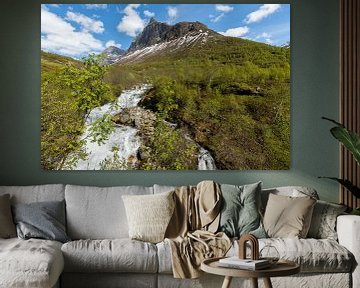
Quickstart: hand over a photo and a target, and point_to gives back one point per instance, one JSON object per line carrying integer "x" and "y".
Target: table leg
{"x": 267, "y": 283}
{"x": 254, "y": 282}
{"x": 227, "y": 282}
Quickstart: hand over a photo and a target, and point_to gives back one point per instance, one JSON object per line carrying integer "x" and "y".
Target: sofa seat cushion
{"x": 30, "y": 263}
{"x": 115, "y": 255}
{"x": 313, "y": 255}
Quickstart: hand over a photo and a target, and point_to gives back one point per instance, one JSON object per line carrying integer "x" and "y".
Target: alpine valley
{"x": 181, "y": 97}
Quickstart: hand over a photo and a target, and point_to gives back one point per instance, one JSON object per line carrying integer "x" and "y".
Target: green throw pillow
{"x": 240, "y": 213}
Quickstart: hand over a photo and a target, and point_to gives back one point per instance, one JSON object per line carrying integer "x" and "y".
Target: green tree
{"x": 67, "y": 98}
{"x": 86, "y": 83}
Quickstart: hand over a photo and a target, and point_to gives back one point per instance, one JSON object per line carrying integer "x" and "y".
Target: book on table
{"x": 236, "y": 262}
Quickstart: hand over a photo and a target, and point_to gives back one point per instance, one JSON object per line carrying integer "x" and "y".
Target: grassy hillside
{"x": 232, "y": 96}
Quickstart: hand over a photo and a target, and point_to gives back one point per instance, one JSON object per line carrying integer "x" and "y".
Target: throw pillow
{"x": 7, "y": 227}
{"x": 43, "y": 220}
{"x": 323, "y": 222}
{"x": 149, "y": 215}
{"x": 288, "y": 217}
{"x": 240, "y": 213}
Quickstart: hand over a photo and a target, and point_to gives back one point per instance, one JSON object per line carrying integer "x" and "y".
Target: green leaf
{"x": 348, "y": 138}
{"x": 347, "y": 184}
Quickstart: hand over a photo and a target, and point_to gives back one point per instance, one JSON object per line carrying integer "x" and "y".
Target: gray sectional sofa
{"x": 101, "y": 254}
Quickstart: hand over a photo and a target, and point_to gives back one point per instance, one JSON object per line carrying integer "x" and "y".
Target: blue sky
{"x": 78, "y": 29}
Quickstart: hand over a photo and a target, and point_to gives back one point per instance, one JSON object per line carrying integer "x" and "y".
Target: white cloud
{"x": 216, "y": 19}
{"x": 95, "y": 6}
{"x": 147, "y": 13}
{"x": 55, "y": 5}
{"x": 263, "y": 35}
{"x": 264, "y": 11}
{"x": 269, "y": 40}
{"x": 131, "y": 23}
{"x": 59, "y": 36}
{"x": 87, "y": 24}
{"x": 112, "y": 43}
{"x": 172, "y": 13}
{"x": 266, "y": 37}
{"x": 236, "y": 32}
{"x": 224, "y": 8}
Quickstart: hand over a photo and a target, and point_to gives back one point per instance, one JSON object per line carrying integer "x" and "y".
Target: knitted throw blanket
{"x": 191, "y": 231}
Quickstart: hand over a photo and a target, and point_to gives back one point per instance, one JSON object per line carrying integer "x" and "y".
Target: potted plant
{"x": 351, "y": 141}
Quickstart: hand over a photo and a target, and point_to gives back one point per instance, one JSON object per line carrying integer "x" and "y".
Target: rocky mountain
{"x": 158, "y": 32}
{"x": 111, "y": 55}
{"x": 158, "y": 37}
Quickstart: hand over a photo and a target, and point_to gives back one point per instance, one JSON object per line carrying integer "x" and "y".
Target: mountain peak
{"x": 111, "y": 54}
{"x": 152, "y": 20}
{"x": 158, "y": 32}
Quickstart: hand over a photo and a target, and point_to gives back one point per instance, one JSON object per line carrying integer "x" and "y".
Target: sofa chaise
{"x": 100, "y": 253}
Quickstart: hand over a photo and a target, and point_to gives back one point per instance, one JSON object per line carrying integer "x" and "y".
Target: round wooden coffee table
{"x": 281, "y": 268}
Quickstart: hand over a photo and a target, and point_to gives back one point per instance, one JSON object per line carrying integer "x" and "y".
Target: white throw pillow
{"x": 149, "y": 215}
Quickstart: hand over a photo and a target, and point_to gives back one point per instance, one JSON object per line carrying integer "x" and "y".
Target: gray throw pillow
{"x": 240, "y": 213}
{"x": 323, "y": 222}
{"x": 43, "y": 220}
{"x": 7, "y": 227}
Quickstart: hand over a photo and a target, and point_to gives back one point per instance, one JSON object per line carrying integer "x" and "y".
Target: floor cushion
{"x": 30, "y": 263}
{"x": 115, "y": 255}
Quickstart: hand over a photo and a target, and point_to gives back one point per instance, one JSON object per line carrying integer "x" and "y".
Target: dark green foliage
{"x": 170, "y": 150}
{"x": 351, "y": 141}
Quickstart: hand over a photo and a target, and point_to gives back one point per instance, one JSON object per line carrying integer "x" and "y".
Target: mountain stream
{"x": 124, "y": 138}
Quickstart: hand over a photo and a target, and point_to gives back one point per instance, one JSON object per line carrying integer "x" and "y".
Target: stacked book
{"x": 248, "y": 264}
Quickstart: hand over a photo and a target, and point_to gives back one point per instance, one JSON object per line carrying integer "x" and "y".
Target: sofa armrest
{"x": 348, "y": 230}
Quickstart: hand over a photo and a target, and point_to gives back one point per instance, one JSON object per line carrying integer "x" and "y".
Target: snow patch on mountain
{"x": 188, "y": 40}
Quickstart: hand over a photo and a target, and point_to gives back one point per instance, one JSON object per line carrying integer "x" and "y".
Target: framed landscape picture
{"x": 165, "y": 86}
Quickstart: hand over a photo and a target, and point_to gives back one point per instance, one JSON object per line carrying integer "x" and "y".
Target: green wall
{"x": 315, "y": 69}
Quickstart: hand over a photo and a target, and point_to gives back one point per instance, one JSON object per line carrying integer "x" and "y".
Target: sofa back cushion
{"x": 35, "y": 193}
{"x": 98, "y": 212}
{"x": 290, "y": 191}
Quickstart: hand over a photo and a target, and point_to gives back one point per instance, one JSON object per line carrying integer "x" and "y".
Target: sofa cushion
{"x": 43, "y": 220}
{"x": 98, "y": 213}
{"x": 36, "y": 193}
{"x": 7, "y": 226}
{"x": 30, "y": 263}
{"x": 323, "y": 222}
{"x": 287, "y": 216}
{"x": 149, "y": 215}
{"x": 240, "y": 210}
{"x": 117, "y": 255}
{"x": 291, "y": 191}
{"x": 313, "y": 255}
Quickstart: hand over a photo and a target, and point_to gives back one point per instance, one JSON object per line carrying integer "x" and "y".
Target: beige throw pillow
{"x": 288, "y": 217}
{"x": 148, "y": 215}
{"x": 7, "y": 226}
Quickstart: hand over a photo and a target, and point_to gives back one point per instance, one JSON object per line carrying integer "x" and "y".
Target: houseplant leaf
{"x": 348, "y": 185}
{"x": 348, "y": 138}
